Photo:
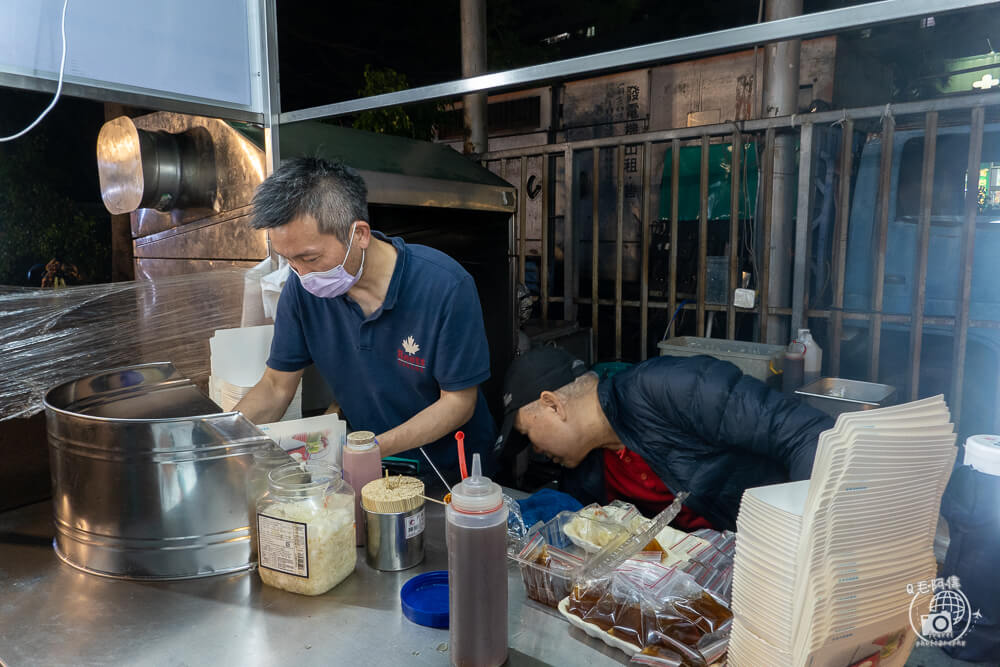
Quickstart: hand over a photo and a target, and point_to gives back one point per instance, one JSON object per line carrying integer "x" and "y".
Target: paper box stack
{"x": 825, "y": 569}
{"x": 239, "y": 359}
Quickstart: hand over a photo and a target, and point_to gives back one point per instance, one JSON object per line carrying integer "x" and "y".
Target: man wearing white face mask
{"x": 395, "y": 329}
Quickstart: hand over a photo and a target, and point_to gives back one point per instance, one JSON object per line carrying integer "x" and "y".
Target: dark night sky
{"x": 325, "y": 46}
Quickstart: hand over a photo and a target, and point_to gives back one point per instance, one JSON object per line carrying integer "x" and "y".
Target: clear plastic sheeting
{"x": 48, "y": 337}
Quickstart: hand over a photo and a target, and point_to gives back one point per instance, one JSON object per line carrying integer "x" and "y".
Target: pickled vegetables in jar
{"x": 305, "y": 528}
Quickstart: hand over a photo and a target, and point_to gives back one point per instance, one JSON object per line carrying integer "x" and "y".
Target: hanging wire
{"x": 55, "y": 98}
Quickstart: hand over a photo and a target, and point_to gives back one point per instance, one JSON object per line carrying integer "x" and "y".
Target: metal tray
{"x": 837, "y": 395}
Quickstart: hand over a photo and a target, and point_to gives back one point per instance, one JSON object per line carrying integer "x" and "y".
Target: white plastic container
{"x": 814, "y": 353}
{"x": 754, "y": 359}
{"x": 982, "y": 452}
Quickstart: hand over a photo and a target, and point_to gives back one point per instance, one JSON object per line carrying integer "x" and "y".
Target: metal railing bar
{"x": 968, "y": 257}
{"x": 840, "y": 231}
{"x": 923, "y": 240}
{"x": 703, "y": 236}
{"x": 734, "y": 233}
{"x": 570, "y": 240}
{"x": 881, "y": 242}
{"x": 545, "y": 221}
{"x": 768, "y": 194}
{"x": 675, "y": 169}
{"x": 763, "y": 124}
{"x": 522, "y": 220}
{"x": 595, "y": 242}
{"x": 647, "y": 193}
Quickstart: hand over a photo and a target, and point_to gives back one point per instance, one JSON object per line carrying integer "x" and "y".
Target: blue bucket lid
{"x": 425, "y": 599}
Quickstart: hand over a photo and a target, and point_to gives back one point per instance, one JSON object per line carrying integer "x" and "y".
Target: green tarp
{"x": 720, "y": 165}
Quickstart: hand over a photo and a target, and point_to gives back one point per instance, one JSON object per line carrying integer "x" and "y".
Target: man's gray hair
{"x": 575, "y": 389}
{"x": 331, "y": 192}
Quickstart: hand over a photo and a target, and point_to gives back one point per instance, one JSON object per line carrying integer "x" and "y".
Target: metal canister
{"x": 148, "y": 476}
{"x": 395, "y": 540}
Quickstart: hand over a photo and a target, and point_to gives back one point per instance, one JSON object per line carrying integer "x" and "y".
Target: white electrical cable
{"x": 62, "y": 69}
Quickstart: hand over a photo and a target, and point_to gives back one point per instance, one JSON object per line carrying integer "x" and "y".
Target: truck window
{"x": 948, "y": 202}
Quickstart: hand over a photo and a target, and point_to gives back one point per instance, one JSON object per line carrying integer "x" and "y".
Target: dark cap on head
{"x": 537, "y": 370}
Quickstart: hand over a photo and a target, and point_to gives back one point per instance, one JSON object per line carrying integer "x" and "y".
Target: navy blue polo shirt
{"x": 427, "y": 336}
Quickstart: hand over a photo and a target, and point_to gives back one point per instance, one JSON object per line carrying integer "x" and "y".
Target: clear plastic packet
{"x": 550, "y": 561}
{"x": 618, "y": 512}
{"x": 516, "y": 530}
{"x": 711, "y": 647}
{"x": 661, "y": 611}
{"x": 592, "y": 528}
{"x": 547, "y": 571}
{"x": 711, "y": 564}
{"x": 604, "y": 563}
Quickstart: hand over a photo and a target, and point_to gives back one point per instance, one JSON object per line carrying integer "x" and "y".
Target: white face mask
{"x": 336, "y": 281}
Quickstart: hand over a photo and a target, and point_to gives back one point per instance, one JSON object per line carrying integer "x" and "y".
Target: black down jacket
{"x": 706, "y": 428}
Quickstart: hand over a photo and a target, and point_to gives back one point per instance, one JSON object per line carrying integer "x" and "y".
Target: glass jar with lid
{"x": 305, "y": 525}
{"x": 265, "y": 459}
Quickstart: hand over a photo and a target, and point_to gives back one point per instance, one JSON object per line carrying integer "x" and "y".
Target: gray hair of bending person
{"x": 331, "y": 192}
{"x": 569, "y": 392}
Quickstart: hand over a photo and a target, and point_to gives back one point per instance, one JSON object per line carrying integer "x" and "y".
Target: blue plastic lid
{"x": 425, "y": 599}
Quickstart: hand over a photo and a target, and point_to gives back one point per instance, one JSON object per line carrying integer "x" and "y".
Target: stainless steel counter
{"x": 51, "y": 614}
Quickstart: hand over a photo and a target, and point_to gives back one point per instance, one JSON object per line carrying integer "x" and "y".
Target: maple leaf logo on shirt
{"x": 410, "y": 345}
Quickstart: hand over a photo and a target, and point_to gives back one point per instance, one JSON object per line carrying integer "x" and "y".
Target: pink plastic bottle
{"x": 362, "y": 464}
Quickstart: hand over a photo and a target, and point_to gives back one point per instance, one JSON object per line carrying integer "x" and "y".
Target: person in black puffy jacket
{"x": 697, "y": 422}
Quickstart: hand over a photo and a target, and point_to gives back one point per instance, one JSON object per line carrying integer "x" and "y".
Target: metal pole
{"x": 474, "y": 64}
{"x": 544, "y": 265}
{"x": 703, "y": 237}
{"x": 923, "y": 240}
{"x": 522, "y": 220}
{"x": 619, "y": 251}
{"x": 800, "y": 269}
{"x": 968, "y": 256}
{"x": 781, "y": 98}
{"x": 675, "y": 170}
{"x": 840, "y": 245}
{"x": 647, "y": 168}
{"x": 270, "y": 96}
{"x": 270, "y": 88}
{"x": 762, "y": 279}
{"x": 570, "y": 239}
{"x": 595, "y": 238}
{"x": 881, "y": 241}
{"x": 734, "y": 234}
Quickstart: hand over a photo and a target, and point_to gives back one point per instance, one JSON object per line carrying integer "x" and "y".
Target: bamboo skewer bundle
{"x": 392, "y": 495}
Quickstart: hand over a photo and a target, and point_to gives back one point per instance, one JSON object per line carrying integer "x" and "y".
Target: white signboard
{"x": 190, "y": 50}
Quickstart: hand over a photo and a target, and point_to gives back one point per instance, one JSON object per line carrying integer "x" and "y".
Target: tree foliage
{"x": 417, "y": 121}
{"x": 390, "y": 120}
{"x": 39, "y": 223}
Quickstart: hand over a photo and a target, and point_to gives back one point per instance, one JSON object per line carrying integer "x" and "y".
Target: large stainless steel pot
{"x": 148, "y": 476}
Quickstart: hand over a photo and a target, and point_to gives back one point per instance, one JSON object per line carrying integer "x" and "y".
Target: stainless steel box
{"x": 837, "y": 395}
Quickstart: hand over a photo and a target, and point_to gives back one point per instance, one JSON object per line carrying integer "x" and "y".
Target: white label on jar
{"x": 283, "y": 545}
{"x": 415, "y": 524}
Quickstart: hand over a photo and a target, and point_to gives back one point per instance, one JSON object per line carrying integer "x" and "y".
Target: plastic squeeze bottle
{"x": 476, "y": 533}
{"x": 814, "y": 355}
{"x": 794, "y": 366}
{"x": 362, "y": 464}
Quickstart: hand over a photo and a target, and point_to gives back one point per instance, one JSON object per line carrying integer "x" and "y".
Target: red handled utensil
{"x": 460, "y": 440}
